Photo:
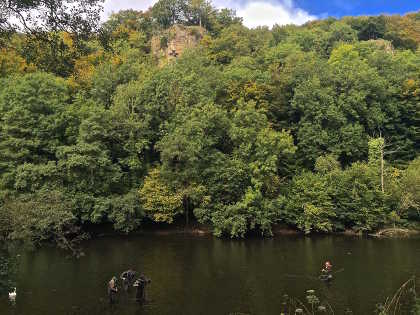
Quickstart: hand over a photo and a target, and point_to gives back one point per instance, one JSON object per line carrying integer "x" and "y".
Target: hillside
{"x": 315, "y": 126}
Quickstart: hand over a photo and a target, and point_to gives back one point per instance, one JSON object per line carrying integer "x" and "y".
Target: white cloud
{"x": 254, "y": 13}
{"x": 233, "y": 4}
{"x": 257, "y": 13}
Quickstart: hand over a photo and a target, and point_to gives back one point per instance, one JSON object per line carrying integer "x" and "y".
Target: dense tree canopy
{"x": 78, "y": 17}
{"x": 250, "y": 128}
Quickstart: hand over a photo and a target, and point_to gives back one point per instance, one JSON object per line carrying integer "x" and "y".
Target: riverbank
{"x": 197, "y": 229}
{"x": 395, "y": 232}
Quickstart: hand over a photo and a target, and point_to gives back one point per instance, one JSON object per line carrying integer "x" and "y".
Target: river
{"x": 193, "y": 275}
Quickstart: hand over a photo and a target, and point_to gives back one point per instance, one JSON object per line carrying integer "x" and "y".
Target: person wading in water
{"x": 127, "y": 278}
{"x": 112, "y": 289}
{"x": 140, "y": 285}
{"x": 326, "y": 271}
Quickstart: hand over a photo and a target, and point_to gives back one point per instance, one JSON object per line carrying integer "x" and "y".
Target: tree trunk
{"x": 187, "y": 211}
{"x": 382, "y": 169}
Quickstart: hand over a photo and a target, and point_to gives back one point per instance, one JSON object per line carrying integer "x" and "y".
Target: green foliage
{"x": 8, "y": 271}
{"x": 169, "y": 12}
{"x": 126, "y": 212}
{"x": 376, "y": 148}
{"x": 416, "y": 308}
{"x": 372, "y": 27}
{"x": 310, "y": 205}
{"x": 164, "y": 42}
{"x": 108, "y": 77}
{"x": 206, "y": 143}
{"x": 358, "y": 198}
{"x": 326, "y": 164}
{"x": 78, "y": 16}
{"x": 162, "y": 203}
{"x": 250, "y": 128}
{"x": 335, "y": 199}
{"x": 202, "y": 13}
{"x": 235, "y": 41}
{"x": 32, "y": 122}
{"x": 43, "y": 216}
{"x": 406, "y": 294}
{"x": 410, "y": 187}
{"x": 59, "y": 29}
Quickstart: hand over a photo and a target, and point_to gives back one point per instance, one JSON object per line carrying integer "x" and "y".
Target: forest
{"x": 316, "y": 127}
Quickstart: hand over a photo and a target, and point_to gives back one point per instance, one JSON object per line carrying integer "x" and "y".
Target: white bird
{"x": 12, "y": 295}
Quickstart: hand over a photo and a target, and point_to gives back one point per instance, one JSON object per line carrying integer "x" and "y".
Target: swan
{"x": 12, "y": 295}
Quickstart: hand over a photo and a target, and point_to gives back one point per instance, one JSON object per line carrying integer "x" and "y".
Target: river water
{"x": 204, "y": 275}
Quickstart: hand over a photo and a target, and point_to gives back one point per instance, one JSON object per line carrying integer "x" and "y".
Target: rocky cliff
{"x": 171, "y": 43}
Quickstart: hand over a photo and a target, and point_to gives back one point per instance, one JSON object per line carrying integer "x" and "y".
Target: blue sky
{"x": 270, "y": 12}
{"x": 357, "y": 7}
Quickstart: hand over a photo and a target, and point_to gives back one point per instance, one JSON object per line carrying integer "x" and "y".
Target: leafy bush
{"x": 44, "y": 216}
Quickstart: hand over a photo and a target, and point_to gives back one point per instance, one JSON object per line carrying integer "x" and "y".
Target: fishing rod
{"x": 300, "y": 276}
{"x": 311, "y": 277}
{"x": 339, "y": 270}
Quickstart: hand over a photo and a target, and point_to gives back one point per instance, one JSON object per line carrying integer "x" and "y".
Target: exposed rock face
{"x": 383, "y": 44}
{"x": 171, "y": 43}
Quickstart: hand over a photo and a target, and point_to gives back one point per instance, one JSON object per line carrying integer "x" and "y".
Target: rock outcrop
{"x": 172, "y": 42}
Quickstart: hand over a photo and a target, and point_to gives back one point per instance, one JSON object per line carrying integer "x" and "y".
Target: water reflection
{"x": 205, "y": 275}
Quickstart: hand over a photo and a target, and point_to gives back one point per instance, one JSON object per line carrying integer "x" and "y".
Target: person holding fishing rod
{"x": 326, "y": 271}
{"x": 327, "y": 268}
{"x": 112, "y": 290}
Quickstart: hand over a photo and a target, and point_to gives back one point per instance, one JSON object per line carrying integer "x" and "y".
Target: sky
{"x": 270, "y": 12}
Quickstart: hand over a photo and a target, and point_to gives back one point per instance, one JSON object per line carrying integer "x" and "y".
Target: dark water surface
{"x": 205, "y": 275}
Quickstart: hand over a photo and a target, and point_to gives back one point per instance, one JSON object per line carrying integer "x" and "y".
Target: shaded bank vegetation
{"x": 314, "y": 126}
{"x": 404, "y": 301}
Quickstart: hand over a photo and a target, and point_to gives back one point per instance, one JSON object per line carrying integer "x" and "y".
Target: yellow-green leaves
{"x": 159, "y": 200}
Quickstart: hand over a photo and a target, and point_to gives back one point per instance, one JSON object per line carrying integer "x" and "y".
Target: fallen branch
{"x": 394, "y": 232}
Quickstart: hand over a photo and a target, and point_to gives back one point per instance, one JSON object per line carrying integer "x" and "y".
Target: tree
{"x": 376, "y": 157}
{"x": 170, "y": 12}
{"x": 249, "y": 128}
{"x": 46, "y": 215}
{"x": 32, "y": 122}
{"x": 12, "y": 63}
{"x": 372, "y": 27}
{"x": 222, "y": 19}
{"x": 129, "y": 19}
{"x": 90, "y": 174}
{"x": 77, "y": 17}
{"x": 160, "y": 201}
{"x": 327, "y": 164}
{"x": 193, "y": 141}
{"x": 310, "y": 205}
{"x": 358, "y": 198}
{"x": 108, "y": 76}
{"x": 234, "y": 41}
{"x": 126, "y": 212}
{"x": 338, "y": 108}
{"x": 207, "y": 152}
{"x": 402, "y": 115}
{"x": 410, "y": 186}
{"x": 193, "y": 12}
{"x": 199, "y": 13}
{"x": 55, "y": 32}
{"x": 134, "y": 27}
{"x": 338, "y": 32}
